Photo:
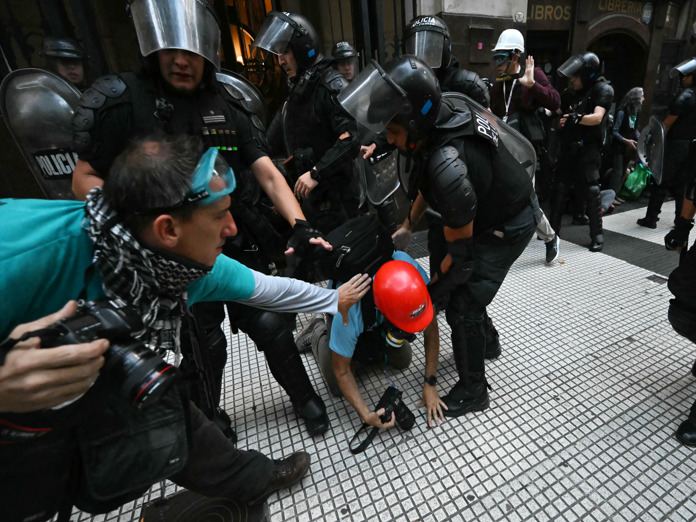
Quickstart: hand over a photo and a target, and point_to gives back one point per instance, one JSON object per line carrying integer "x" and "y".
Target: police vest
{"x": 304, "y": 126}
{"x": 502, "y": 185}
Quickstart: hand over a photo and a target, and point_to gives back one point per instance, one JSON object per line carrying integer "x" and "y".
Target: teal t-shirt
{"x": 45, "y": 251}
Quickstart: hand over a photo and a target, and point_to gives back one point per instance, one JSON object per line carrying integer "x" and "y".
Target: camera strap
{"x": 365, "y": 443}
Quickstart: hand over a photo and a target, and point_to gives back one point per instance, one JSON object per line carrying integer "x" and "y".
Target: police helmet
{"x": 427, "y": 37}
{"x": 283, "y": 30}
{"x": 62, "y": 48}
{"x": 190, "y": 25}
{"x": 585, "y": 65}
{"x": 342, "y": 50}
{"x": 405, "y": 91}
{"x": 683, "y": 69}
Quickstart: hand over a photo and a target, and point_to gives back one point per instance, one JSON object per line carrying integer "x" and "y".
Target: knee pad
{"x": 266, "y": 328}
{"x": 592, "y": 192}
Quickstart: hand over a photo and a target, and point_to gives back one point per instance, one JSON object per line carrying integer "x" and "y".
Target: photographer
{"x": 151, "y": 239}
{"x": 381, "y": 327}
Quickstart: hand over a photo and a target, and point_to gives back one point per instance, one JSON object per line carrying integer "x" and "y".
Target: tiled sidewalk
{"x": 591, "y": 385}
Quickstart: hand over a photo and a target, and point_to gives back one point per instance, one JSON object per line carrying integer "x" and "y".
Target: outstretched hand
{"x": 351, "y": 292}
{"x": 434, "y": 404}
{"x": 527, "y": 79}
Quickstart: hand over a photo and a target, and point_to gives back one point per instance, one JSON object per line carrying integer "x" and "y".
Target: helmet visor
{"x": 571, "y": 66}
{"x": 274, "y": 35}
{"x": 426, "y": 45}
{"x": 683, "y": 69}
{"x": 185, "y": 24}
{"x": 373, "y": 98}
{"x": 348, "y": 67}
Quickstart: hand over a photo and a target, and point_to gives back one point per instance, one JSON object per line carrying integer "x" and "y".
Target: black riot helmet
{"x": 281, "y": 31}
{"x": 342, "y": 50}
{"x": 344, "y": 58}
{"x": 683, "y": 69}
{"x": 62, "y": 48}
{"x": 405, "y": 91}
{"x": 427, "y": 37}
{"x": 585, "y": 65}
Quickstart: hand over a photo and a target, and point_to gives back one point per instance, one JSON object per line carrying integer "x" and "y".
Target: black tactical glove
{"x": 573, "y": 119}
{"x": 458, "y": 274}
{"x": 302, "y": 232}
{"x": 678, "y": 237}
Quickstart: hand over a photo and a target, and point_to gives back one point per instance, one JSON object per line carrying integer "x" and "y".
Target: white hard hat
{"x": 510, "y": 40}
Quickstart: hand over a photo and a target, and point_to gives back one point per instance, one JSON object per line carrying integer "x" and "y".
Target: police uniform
{"x": 466, "y": 174}
{"x": 677, "y": 161}
{"x": 119, "y": 107}
{"x": 308, "y": 128}
{"x": 454, "y": 79}
{"x": 580, "y": 158}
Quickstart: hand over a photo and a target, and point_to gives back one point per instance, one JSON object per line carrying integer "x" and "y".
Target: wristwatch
{"x": 431, "y": 380}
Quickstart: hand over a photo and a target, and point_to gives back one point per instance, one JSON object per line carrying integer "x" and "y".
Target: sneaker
{"x": 286, "y": 472}
{"x": 647, "y": 222}
{"x": 303, "y": 339}
{"x": 579, "y": 219}
{"x": 552, "y": 248}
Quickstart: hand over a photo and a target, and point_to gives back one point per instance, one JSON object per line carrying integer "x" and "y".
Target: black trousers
{"x": 35, "y": 476}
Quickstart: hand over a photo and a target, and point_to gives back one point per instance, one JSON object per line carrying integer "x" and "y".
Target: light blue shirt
{"x": 343, "y": 339}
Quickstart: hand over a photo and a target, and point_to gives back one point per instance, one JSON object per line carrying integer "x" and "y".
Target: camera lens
{"x": 142, "y": 375}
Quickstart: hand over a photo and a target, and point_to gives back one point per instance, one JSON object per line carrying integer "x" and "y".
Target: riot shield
{"x": 651, "y": 147}
{"x": 38, "y": 107}
{"x": 381, "y": 176}
{"x": 251, "y": 97}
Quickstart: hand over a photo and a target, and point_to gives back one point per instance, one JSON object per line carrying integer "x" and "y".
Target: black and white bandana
{"x": 153, "y": 283}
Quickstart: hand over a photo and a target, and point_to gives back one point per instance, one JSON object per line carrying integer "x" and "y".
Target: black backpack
{"x": 361, "y": 245}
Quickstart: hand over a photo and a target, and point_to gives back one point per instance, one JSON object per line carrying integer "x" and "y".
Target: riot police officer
{"x": 680, "y": 131}
{"x": 463, "y": 170}
{"x": 310, "y": 128}
{"x": 585, "y": 102}
{"x": 428, "y": 38}
{"x": 178, "y": 92}
{"x": 65, "y": 56}
{"x": 345, "y": 60}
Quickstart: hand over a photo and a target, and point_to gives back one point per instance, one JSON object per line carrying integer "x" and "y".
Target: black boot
{"x": 686, "y": 433}
{"x": 286, "y": 472}
{"x": 314, "y": 414}
{"x": 593, "y": 203}
{"x": 493, "y": 349}
{"x": 463, "y": 399}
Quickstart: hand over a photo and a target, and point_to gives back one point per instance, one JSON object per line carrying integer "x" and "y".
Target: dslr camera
{"x": 391, "y": 402}
{"x": 141, "y": 375}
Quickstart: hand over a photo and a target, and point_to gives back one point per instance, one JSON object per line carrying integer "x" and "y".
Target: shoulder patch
{"x": 485, "y": 128}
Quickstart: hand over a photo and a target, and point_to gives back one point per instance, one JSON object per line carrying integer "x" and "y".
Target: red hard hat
{"x": 401, "y": 295}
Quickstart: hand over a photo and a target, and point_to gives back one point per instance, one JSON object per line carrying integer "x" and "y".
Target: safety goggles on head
{"x": 212, "y": 179}
{"x": 501, "y": 58}
{"x": 394, "y": 336}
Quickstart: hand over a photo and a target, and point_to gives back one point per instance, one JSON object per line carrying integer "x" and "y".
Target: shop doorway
{"x": 624, "y": 60}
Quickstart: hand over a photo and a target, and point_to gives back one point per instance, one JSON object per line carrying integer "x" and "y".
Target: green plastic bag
{"x": 635, "y": 183}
